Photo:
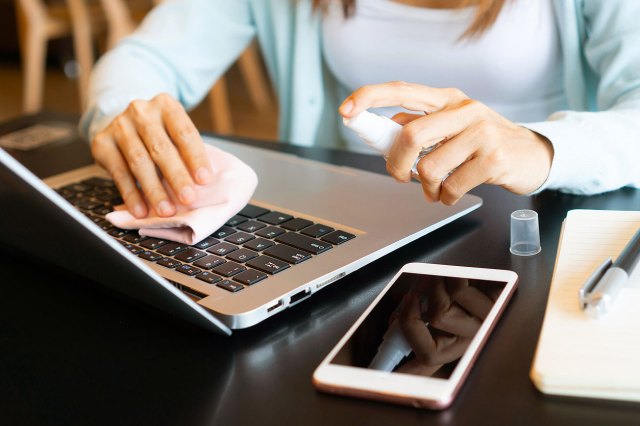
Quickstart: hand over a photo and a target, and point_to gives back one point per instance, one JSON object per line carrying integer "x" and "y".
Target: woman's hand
{"x": 454, "y": 311}
{"x": 148, "y": 140}
{"x": 480, "y": 146}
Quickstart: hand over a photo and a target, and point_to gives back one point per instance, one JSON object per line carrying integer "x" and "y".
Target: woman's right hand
{"x": 150, "y": 140}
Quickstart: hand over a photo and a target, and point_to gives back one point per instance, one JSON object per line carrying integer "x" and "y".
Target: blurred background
{"x": 47, "y": 49}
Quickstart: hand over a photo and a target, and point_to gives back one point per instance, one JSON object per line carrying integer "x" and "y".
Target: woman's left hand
{"x": 480, "y": 146}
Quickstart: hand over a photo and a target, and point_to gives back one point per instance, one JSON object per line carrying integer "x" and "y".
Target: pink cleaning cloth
{"x": 230, "y": 190}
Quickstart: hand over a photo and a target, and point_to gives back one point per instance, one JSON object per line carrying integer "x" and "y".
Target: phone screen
{"x": 423, "y": 325}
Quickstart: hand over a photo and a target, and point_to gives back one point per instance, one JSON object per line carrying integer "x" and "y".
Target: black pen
{"x": 601, "y": 289}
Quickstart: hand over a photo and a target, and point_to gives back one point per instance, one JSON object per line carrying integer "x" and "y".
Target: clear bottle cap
{"x": 525, "y": 234}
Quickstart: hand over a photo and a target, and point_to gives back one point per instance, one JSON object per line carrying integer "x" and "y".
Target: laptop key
{"x": 167, "y": 262}
{"x": 236, "y": 220}
{"x": 88, "y": 204}
{"x": 275, "y": 218}
{"x": 107, "y": 196}
{"x": 105, "y": 225}
{"x": 188, "y": 270}
{"x": 317, "y": 230}
{"x": 76, "y": 187}
{"x": 135, "y": 238}
{"x": 223, "y": 232}
{"x": 153, "y": 243}
{"x": 259, "y": 244}
{"x": 303, "y": 242}
{"x": 239, "y": 238}
{"x": 208, "y": 277}
{"x": 150, "y": 256}
{"x": 270, "y": 232}
{"x": 252, "y": 211}
{"x": 103, "y": 210}
{"x": 251, "y": 226}
{"x": 133, "y": 249}
{"x": 172, "y": 249}
{"x": 190, "y": 255}
{"x": 337, "y": 237}
{"x": 230, "y": 286}
{"x": 250, "y": 277}
{"x": 209, "y": 261}
{"x": 222, "y": 249}
{"x": 229, "y": 269}
{"x": 268, "y": 264}
{"x": 119, "y": 233}
{"x": 297, "y": 224}
{"x": 66, "y": 193}
{"x": 99, "y": 182}
{"x": 206, "y": 243}
{"x": 288, "y": 254}
{"x": 242, "y": 255}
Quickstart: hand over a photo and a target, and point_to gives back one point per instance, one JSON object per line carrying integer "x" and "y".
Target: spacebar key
{"x": 303, "y": 243}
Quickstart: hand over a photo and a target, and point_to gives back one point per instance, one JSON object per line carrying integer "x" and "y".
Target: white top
{"x": 514, "y": 67}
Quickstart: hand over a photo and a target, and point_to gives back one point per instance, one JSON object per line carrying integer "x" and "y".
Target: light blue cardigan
{"x": 185, "y": 45}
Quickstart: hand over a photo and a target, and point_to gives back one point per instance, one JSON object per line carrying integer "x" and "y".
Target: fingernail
{"x": 187, "y": 195}
{"x": 165, "y": 208}
{"x": 139, "y": 211}
{"x": 346, "y": 107}
{"x": 203, "y": 175}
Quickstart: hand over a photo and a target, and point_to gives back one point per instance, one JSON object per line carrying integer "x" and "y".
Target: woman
{"x": 573, "y": 61}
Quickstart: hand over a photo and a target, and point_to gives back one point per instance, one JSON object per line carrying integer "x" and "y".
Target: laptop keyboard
{"x": 252, "y": 246}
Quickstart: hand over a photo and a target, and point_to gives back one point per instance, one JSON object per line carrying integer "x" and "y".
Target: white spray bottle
{"x": 380, "y": 133}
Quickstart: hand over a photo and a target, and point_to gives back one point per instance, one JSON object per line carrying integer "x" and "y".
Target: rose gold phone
{"x": 418, "y": 340}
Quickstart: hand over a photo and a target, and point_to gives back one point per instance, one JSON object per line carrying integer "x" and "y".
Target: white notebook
{"x": 577, "y": 355}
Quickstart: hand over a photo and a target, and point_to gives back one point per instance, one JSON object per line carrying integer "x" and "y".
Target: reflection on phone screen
{"x": 422, "y": 325}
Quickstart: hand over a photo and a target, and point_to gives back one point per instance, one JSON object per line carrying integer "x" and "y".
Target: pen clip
{"x": 590, "y": 283}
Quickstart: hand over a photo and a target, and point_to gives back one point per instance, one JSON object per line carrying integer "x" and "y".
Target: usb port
{"x": 276, "y": 306}
{"x": 300, "y": 295}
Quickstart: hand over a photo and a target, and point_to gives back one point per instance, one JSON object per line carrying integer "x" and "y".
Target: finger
{"x": 414, "y": 97}
{"x": 414, "y": 328}
{"x": 403, "y": 118}
{"x": 434, "y": 167}
{"x": 142, "y": 167}
{"x": 469, "y": 298}
{"x": 427, "y": 131}
{"x": 449, "y": 347}
{"x": 165, "y": 155}
{"x": 107, "y": 154}
{"x": 446, "y": 315}
{"x": 466, "y": 177}
{"x": 187, "y": 138}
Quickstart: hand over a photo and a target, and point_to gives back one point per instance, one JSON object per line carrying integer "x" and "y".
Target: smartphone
{"x": 417, "y": 342}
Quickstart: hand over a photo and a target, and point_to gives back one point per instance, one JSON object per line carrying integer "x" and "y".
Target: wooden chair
{"x": 121, "y": 23}
{"x": 257, "y": 85}
{"x": 40, "y": 22}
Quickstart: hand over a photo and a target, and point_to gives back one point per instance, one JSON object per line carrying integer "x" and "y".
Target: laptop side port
{"x": 330, "y": 280}
{"x": 192, "y": 293}
{"x": 276, "y": 306}
{"x": 303, "y": 294}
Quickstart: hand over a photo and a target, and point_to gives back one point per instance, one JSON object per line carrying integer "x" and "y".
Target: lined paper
{"x": 578, "y": 355}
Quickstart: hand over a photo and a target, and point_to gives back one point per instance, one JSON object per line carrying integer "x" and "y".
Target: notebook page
{"x": 577, "y": 352}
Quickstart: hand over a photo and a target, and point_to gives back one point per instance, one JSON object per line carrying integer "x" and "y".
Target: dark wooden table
{"x": 71, "y": 353}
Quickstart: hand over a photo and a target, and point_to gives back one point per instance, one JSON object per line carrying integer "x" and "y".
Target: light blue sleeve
{"x": 600, "y": 151}
{"x": 181, "y": 48}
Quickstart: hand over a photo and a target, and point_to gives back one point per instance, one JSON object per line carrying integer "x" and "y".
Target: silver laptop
{"x": 308, "y": 225}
